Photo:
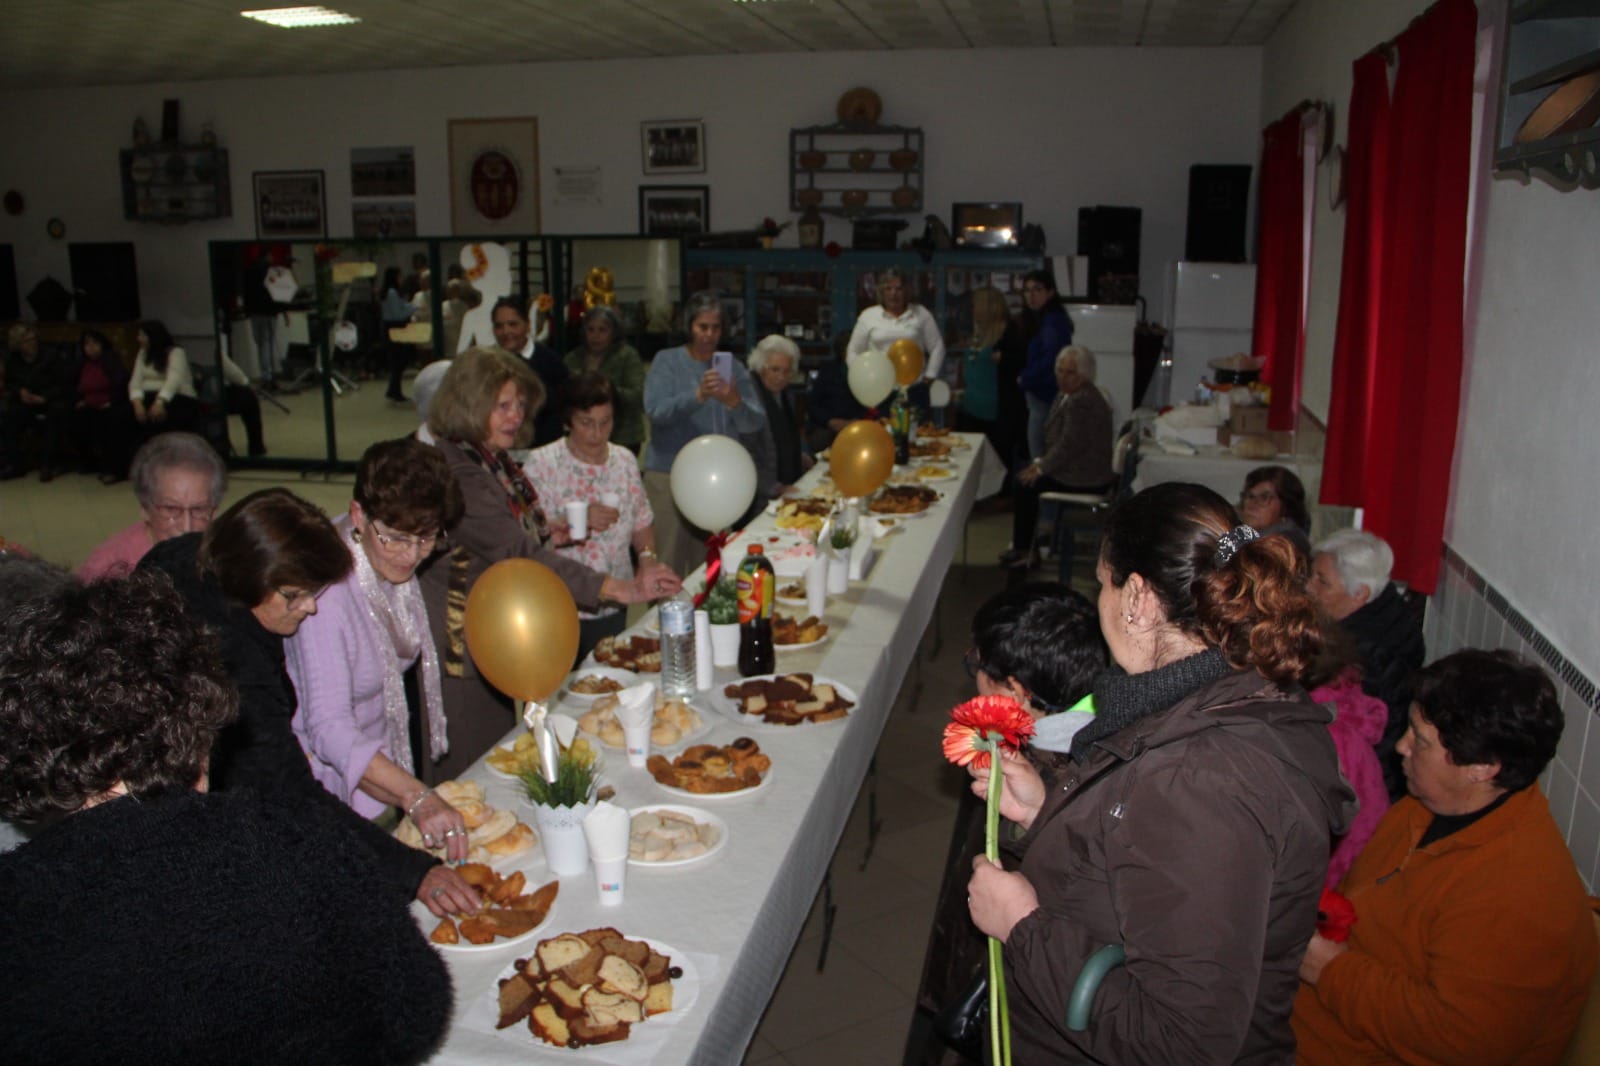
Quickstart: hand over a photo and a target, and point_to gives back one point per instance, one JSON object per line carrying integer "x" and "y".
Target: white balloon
{"x": 713, "y": 481}
{"x": 871, "y": 377}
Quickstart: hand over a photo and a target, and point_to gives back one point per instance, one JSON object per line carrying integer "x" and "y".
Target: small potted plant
{"x": 722, "y": 608}
{"x": 559, "y": 807}
{"x": 840, "y": 543}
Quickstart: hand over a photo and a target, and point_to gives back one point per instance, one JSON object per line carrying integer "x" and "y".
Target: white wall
{"x": 1054, "y": 128}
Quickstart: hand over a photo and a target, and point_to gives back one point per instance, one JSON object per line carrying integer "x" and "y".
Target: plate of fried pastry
{"x": 785, "y": 699}
{"x": 589, "y": 683}
{"x": 707, "y": 771}
{"x": 513, "y": 911}
{"x": 640, "y": 655}
{"x": 793, "y": 634}
{"x": 903, "y": 500}
{"x": 579, "y": 990}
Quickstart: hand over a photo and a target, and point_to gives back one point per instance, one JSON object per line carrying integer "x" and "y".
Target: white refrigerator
{"x": 1107, "y": 331}
{"x": 1209, "y": 315}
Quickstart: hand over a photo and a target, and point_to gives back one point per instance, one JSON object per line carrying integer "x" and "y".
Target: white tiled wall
{"x": 1467, "y": 612}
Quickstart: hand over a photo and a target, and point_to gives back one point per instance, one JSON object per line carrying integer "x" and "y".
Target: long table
{"x": 737, "y": 914}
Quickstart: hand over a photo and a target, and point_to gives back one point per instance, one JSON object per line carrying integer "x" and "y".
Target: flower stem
{"x": 999, "y": 1018}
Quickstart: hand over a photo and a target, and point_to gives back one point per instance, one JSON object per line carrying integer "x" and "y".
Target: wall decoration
{"x": 290, "y": 203}
{"x": 674, "y": 146}
{"x": 383, "y": 219}
{"x": 674, "y": 210}
{"x": 383, "y": 171}
{"x": 494, "y": 175}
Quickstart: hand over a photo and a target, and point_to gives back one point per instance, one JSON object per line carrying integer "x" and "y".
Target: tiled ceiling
{"x": 52, "y": 43}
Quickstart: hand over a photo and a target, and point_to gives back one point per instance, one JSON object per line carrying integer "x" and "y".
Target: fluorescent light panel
{"x": 297, "y": 18}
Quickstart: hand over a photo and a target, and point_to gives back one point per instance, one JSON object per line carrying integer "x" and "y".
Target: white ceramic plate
{"x": 626, "y": 678}
{"x": 790, "y": 601}
{"x": 706, "y": 722}
{"x": 698, "y": 796}
{"x": 804, "y": 645}
{"x": 644, "y": 1039}
{"x": 704, "y": 817}
{"x": 427, "y": 922}
{"x": 729, "y": 708}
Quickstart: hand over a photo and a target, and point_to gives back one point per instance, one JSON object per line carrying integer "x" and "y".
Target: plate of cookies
{"x": 676, "y": 722}
{"x": 639, "y": 655}
{"x": 592, "y": 988}
{"x": 706, "y": 771}
{"x": 513, "y": 911}
{"x": 666, "y": 834}
{"x": 785, "y": 700}
{"x": 587, "y": 684}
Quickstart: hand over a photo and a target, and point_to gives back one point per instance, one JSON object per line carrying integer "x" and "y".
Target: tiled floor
{"x": 858, "y": 1010}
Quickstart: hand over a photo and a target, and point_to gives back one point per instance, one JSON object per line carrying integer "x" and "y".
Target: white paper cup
{"x": 838, "y": 572}
{"x": 725, "y": 645}
{"x": 637, "y": 738}
{"x": 577, "y": 518}
{"x": 566, "y": 848}
{"x": 609, "y": 875}
{"x": 817, "y": 584}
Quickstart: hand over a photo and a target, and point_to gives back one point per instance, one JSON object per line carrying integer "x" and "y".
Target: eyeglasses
{"x": 1258, "y": 496}
{"x": 972, "y": 662}
{"x": 174, "y": 513}
{"x": 401, "y": 544}
{"x": 291, "y": 597}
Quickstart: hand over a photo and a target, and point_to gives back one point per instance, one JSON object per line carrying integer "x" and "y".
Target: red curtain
{"x": 1402, "y": 329}
{"x": 1277, "y": 335}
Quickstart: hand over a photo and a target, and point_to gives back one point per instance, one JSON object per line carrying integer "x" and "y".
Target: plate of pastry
{"x": 514, "y": 910}
{"x": 676, "y": 722}
{"x": 707, "y": 771}
{"x": 588, "y": 683}
{"x": 665, "y": 835}
{"x": 795, "y": 634}
{"x": 785, "y": 700}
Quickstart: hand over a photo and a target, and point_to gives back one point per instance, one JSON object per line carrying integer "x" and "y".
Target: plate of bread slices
{"x": 579, "y": 990}
{"x": 666, "y": 834}
{"x": 785, "y": 700}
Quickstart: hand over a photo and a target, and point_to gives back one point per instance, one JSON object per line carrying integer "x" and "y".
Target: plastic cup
{"x": 577, "y": 518}
{"x": 609, "y": 876}
{"x": 637, "y": 738}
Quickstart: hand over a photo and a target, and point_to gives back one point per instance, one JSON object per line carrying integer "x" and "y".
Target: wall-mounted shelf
{"x": 175, "y": 183}
{"x": 1548, "y": 43}
{"x": 856, "y": 170}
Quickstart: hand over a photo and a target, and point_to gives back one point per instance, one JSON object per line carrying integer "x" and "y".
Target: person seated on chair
{"x": 161, "y": 388}
{"x": 179, "y": 481}
{"x": 239, "y": 398}
{"x": 1077, "y": 452}
{"x": 37, "y": 394}
{"x": 100, "y": 417}
{"x": 1473, "y": 940}
{"x": 1274, "y": 501}
{"x": 778, "y": 449}
{"x": 1350, "y": 580}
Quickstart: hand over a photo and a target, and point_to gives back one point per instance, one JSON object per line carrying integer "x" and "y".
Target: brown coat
{"x": 488, "y": 532}
{"x": 1077, "y": 439}
{"x": 1197, "y": 838}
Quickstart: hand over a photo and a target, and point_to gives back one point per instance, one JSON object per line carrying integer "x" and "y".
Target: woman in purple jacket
{"x": 348, "y": 661}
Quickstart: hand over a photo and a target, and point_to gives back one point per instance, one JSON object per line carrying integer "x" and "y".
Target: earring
{"x": 355, "y": 535}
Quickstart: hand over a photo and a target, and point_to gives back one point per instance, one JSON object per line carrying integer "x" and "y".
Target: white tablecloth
{"x": 741, "y": 911}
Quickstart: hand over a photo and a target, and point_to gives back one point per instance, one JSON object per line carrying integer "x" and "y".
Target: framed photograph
{"x": 383, "y": 219}
{"x": 383, "y": 172}
{"x": 674, "y": 210}
{"x": 494, "y": 176}
{"x": 290, "y": 204}
{"x": 674, "y": 146}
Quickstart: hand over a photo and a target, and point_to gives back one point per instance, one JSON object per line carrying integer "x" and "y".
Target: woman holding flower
{"x": 1191, "y": 823}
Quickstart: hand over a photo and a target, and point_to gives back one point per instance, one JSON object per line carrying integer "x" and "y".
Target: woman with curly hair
{"x": 212, "y": 920}
{"x": 1191, "y": 825}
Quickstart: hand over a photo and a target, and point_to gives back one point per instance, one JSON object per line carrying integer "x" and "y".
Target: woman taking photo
{"x": 253, "y": 577}
{"x": 584, "y": 465}
{"x": 161, "y": 389}
{"x": 1049, "y": 331}
{"x": 348, "y": 659}
{"x": 240, "y": 932}
{"x": 1192, "y": 826}
{"x": 482, "y": 410}
{"x": 685, "y": 398}
{"x": 604, "y": 351}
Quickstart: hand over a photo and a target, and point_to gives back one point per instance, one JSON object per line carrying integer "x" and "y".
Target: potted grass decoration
{"x": 840, "y": 542}
{"x": 722, "y": 610}
{"x": 559, "y": 807}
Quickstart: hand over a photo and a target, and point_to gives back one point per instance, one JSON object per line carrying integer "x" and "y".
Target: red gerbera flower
{"x": 1335, "y": 915}
{"x": 999, "y": 718}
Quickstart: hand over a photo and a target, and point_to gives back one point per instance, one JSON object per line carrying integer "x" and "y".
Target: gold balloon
{"x": 522, "y": 628}
{"x": 906, "y": 355}
{"x": 861, "y": 458}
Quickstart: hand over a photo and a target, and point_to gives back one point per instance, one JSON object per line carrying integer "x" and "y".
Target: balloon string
{"x": 714, "y": 546}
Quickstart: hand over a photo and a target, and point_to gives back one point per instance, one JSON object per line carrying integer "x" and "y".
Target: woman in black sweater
{"x": 156, "y": 921}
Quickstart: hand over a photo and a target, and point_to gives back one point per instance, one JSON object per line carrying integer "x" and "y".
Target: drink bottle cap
{"x": 754, "y": 549}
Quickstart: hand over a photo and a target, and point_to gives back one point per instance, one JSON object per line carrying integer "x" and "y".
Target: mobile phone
{"x": 722, "y": 363}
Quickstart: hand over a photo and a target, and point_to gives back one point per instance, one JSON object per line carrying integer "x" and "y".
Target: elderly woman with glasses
{"x": 348, "y": 660}
{"x": 178, "y": 480}
{"x": 604, "y": 351}
{"x": 253, "y": 578}
{"x": 778, "y": 447}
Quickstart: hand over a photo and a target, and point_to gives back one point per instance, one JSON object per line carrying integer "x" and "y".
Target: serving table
{"x": 738, "y": 913}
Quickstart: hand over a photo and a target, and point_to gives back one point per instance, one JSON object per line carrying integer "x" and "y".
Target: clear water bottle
{"x": 677, "y": 647}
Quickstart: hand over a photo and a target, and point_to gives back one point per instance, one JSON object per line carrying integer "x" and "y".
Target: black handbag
{"x": 963, "y": 1024}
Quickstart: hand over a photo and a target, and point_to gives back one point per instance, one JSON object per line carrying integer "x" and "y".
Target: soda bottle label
{"x": 755, "y": 593}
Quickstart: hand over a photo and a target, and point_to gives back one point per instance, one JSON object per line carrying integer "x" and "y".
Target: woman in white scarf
{"x": 348, "y": 661}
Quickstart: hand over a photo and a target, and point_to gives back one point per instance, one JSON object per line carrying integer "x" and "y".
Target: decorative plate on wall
{"x": 56, "y": 228}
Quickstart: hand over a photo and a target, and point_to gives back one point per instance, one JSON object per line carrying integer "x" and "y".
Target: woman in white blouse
{"x": 162, "y": 388}
{"x": 894, "y": 317}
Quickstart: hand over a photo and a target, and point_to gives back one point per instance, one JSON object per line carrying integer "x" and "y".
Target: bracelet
{"x": 651, "y": 552}
{"x": 424, "y": 794}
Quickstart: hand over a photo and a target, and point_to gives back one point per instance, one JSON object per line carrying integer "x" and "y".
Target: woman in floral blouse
{"x": 585, "y": 465}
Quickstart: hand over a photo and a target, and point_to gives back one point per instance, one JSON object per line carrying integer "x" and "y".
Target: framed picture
{"x": 674, "y": 210}
{"x": 494, "y": 175}
{"x": 290, "y": 204}
{"x": 674, "y": 146}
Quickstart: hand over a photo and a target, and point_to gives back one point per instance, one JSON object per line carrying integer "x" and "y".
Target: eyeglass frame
{"x": 174, "y": 512}
{"x": 400, "y": 543}
{"x": 294, "y": 596}
{"x": 1257, "y": 496}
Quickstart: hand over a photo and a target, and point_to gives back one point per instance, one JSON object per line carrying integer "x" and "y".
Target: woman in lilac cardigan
{"x": 348, "y": 660}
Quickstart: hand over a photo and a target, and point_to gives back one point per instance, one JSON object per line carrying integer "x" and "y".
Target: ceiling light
{"x": 295, "y": 18}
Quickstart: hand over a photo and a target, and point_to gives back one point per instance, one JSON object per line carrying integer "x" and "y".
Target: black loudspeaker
{"x": 10, "y": 305}
{"x": 1219, "y": 206}
{"x": 1109, "y": 236}
{"x": 105, "y": 279}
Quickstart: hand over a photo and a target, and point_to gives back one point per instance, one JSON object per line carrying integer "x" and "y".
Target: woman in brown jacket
{"x": 485, "y": 407}
{"x": 1192, "y": 823}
